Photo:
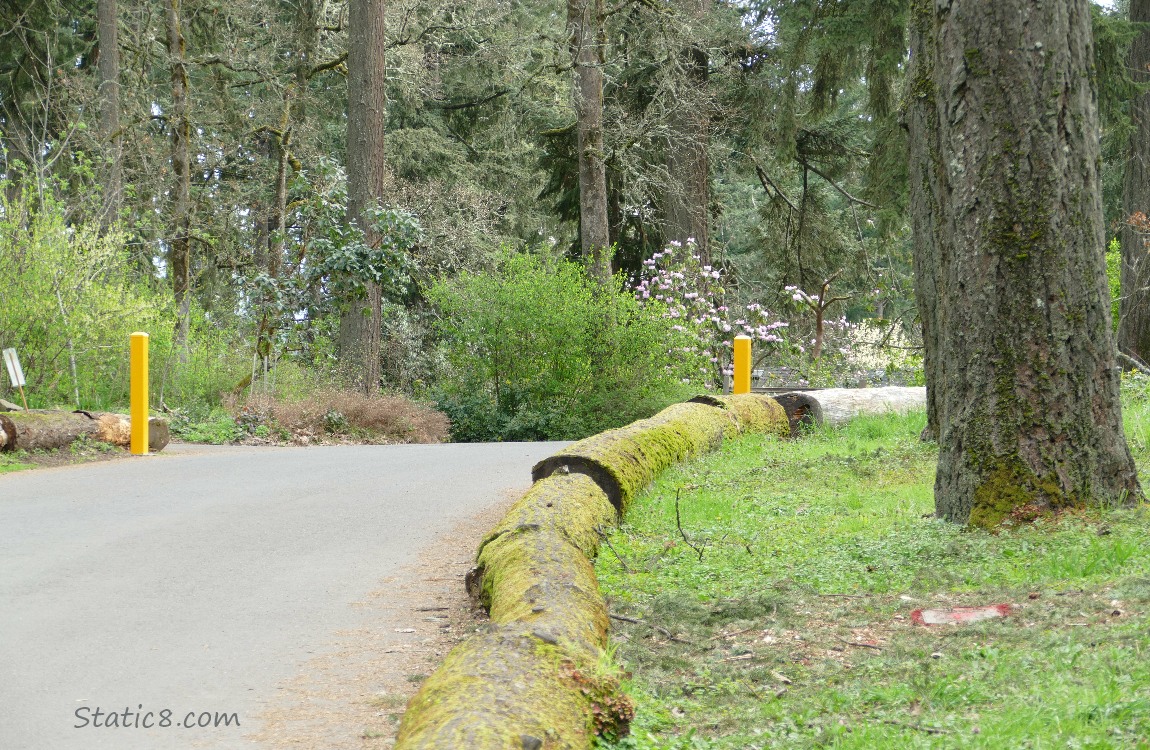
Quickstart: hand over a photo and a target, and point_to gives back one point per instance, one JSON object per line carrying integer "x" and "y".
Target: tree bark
{"x": 180, "y": 246}
{"x": 921, "y": 120}
{"x": 1134, "y": 306}
{"x": 688, "y": 159}
{"x": 107, "y": 24}
{"x": 49, "y": 430}
{"x": 1008, "y": 228}
{"x": 366, "y": 167}
{"x": 585, "y": 30}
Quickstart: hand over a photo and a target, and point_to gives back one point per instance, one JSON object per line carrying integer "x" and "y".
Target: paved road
{"x": 197, "y": 581}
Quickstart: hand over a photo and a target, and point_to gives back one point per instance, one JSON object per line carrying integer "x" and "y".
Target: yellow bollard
{"x": 139, "y": 388}
{"x": 742, "y": 381}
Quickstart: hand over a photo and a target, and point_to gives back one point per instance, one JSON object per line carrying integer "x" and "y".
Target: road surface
{"x": 180, "y": 589}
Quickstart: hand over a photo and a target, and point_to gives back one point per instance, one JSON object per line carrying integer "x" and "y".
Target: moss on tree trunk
{"x": 1010, "y": 268}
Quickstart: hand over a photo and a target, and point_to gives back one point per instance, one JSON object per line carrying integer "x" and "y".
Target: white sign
{"x": 15, "y": 374}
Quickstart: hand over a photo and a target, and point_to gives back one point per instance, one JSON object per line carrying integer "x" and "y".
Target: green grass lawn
{"x": 776, "y": 611}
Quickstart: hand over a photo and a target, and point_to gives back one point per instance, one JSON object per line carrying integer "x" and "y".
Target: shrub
{"x": 70, "y": 296}
{"x": 351, "y": 413}
{"x": 539, "y": 350}
{"x": 68, "y": 302}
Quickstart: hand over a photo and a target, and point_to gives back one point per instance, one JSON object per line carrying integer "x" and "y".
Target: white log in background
{"x": 836, "y": 406}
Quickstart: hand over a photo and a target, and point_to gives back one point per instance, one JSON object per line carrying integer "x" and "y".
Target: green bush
{"x": 539, "y": 350}
{"x": 70, "y": 296}
{"x": 68, "y": 302}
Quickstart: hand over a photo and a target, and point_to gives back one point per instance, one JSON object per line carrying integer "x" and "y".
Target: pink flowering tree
{"x": 818, "y": 305}
{"x": 693, "y": 295}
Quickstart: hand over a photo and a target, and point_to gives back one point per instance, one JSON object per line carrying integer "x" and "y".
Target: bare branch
{"x": 832, "y": 183}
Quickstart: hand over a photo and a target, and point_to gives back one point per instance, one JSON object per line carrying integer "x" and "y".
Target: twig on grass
{"x": 637, "y": 621}
{"x": 918, "y": 727}
{"x": 679, "y": 524}
{"x": 603, "y": 535}
{"x": 860, "y": 645}
{"x": 731, "y": 635}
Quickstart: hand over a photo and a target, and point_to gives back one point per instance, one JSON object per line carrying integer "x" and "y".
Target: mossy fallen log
{"x": 571, "y": 505}
{"x": 753, "y": 412}
{"x": 837, "y": 406}
{"x": 623, "y": 461}
{"x": 531, "y": 681}
{"x": 542, "y": 580}
{"x": 502, "y": 690}
{"x": 49, "y": 430}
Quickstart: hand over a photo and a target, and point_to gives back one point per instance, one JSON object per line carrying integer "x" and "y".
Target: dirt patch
{"x": 354, "y": 697}
{"x": 80, "y": 452}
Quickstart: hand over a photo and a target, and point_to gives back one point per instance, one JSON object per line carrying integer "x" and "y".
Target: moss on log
{"x": 530, "y": 682}
{"x": 571, "y": 505}
{"x": 502, "y": 690}
{"x": 538, "y": 578}
{"x": 753, "y": 412}
{"x": 623, "y": 461}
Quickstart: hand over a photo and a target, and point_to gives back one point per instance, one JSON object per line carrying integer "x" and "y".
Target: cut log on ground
{"x": 48, "y": 430}
{"x": 505, "y": 689}
{"x": 532, "y": 680}
{"x": 754, "y": 412}
{"x": 837, "y": 406}
{"x": 625, "y": 460}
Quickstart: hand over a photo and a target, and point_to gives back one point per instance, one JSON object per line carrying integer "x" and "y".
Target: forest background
{"x": 182, "y": 168}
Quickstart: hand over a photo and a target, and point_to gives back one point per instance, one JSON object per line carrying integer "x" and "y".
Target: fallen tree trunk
{"x": 837, "y": 406}
{"x": 49, "y": 430}
{"x": 625, "y": 460}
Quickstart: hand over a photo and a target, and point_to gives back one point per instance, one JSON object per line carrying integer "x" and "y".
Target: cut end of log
{"x": 565, "y": 463}
{"x": 802, "y": 410}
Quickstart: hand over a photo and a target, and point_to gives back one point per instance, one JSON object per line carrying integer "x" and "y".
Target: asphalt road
{"x": 194, "y": 582}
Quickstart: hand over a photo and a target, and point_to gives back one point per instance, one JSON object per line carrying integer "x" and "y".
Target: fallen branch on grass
{"x": 917, "y": 727}
{"x": 606, "y": 540}
{"x": 637, "y": 621}
{"x": 679, "y": 524}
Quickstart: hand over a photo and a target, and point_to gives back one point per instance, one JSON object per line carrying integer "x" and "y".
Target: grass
{"x": 789, "y": 578}
{"x": 83, "y": 450}
{"x": 10, "y": 462}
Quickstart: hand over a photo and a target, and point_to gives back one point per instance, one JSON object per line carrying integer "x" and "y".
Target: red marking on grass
{"x": 959, "y": 615}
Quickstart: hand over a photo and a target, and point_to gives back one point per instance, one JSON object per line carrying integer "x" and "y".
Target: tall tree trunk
{"x": 923, "y": 136}
{"x": 107, "y": 23}
{"x": 688, "y": 161}
{"x": 1134, "y": 307}
{"x": 585, "y": 29}
{"x": 1008, "y": 222}
{"x": 180, "y": 246}
{"x": 366, "y": 168}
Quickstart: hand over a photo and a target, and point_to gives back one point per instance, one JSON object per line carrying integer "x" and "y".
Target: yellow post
{"x": 742, "y": 381}
{"x": 139, "y": 387}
